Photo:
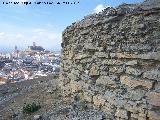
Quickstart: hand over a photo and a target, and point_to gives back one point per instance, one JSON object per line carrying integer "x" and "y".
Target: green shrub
{"x": 30, "y": 108}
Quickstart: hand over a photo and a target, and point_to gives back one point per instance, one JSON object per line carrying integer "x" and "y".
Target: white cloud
{"x": 2, "y": 33}
{"x": 99, "y": 8}
{"x": 19, "y": 35}
{"x": 43, "y": 37}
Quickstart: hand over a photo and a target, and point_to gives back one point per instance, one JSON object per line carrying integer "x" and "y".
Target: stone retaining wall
{"x": 112, "y": 59}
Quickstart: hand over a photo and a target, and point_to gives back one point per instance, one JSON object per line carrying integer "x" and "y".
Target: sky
{"x": 21, "y": 25}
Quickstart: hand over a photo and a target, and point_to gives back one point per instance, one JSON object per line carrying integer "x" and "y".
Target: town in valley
{"x": 27, "y": 64}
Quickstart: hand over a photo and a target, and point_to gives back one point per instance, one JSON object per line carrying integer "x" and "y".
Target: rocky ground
{"x": 43, "y": 91}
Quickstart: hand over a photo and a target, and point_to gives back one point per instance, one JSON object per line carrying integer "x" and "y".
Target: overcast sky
{"x": 22, "y": 25}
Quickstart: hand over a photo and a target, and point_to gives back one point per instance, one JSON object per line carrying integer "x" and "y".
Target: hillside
{"x": 13, "y": 96}
{"x": 43, "y": 91}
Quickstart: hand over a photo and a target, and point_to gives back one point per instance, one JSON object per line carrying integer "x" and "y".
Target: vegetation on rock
{"x": 30, "y": 108}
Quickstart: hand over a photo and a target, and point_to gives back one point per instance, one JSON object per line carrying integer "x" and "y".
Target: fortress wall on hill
{"x": 112, "y": 60}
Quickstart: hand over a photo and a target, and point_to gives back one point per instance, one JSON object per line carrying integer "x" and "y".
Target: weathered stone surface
{"x": 84, "y": 32}
{"x": 152, "y": 115}
{"x": 136, "y": 47}
{"x": 94, "y": 71}
{"x": 98, "y": 100}
{"x": 143, "y": 114}
{"x": 88, "y": 97}
{"x": 89, "y": 46}
{"x": 108, "y": 108}
{"x": 135, "y": 95}
{"x": 113, "y": 99}
{"x": 142, "y": 118}
{"x": 133, "y": 83}
{"x": 76, "y": 86}
{"x": 133, "y": 71}
{"x": 121, "y": 113}
{"x": 134, "y": 116}
{"x": 153, "y": 74}
{"x": 86, "y": 60}
{"x": 101, "y": 54}
{"x": 148, "y": 4}
{"x": 70, "y": 55}
{"x": 80, "y": 56}
{"x": 80, "y": 67}
{"x": 118, "y": 102}
{"x": 117, "y": 69}
{"x": 133, "y": 62}
{"x": 135, "y": 107}
{"x": 151, "y": 55}
{"x": 72, "y": 76}
{"x": 157, "y": 86}
{"x": 153, "y": 98}
{"x": 106, "y": 80}
{"x": 112, "y": 62}
{"x": 123, "y": 55}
